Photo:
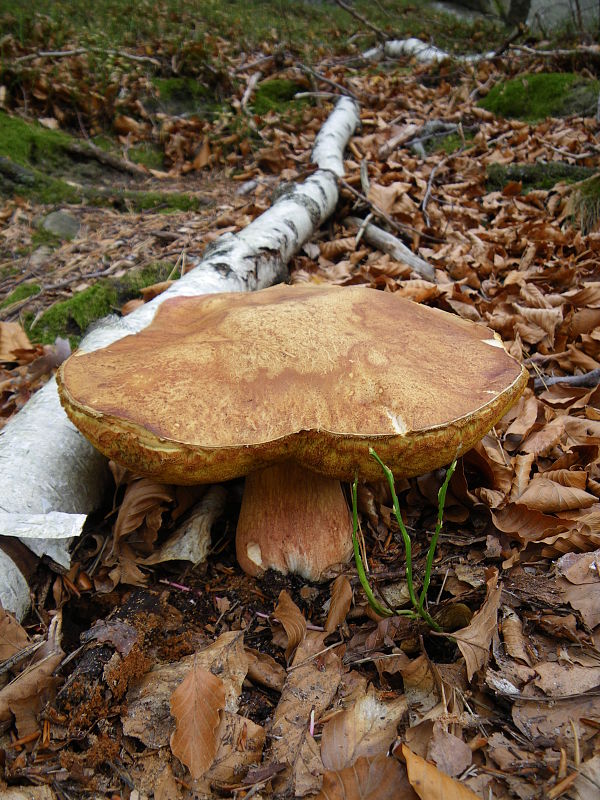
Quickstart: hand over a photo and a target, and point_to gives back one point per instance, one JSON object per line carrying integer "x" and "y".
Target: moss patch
{"x": 532, "y": 97}
{"x": 20, "y": 293}
{"x": 276, "y": 95}
{"x": 71, "y": 318}
{"x": 534, "y": 176}
{"x": 181, "y": 96}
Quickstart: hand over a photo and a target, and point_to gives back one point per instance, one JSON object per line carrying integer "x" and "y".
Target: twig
{"x": 588, "y": 380}
{"x": 249, "y": 91}
{"x": 319, "y": 76}
{"x": 382, "y": 215}
{"x": 591, "y": 50}
{"x": 377, "y": 31}
{"x": 391, "y": 245}
{"x": 81, "y": 50}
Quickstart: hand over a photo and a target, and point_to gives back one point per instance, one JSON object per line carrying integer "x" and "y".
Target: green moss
{"x": 130, "y": 284}
{"x": 30, "y": 144}
{"x": 181, "y": 96}
{"x": 72, "y": 317}
{"x": 147, "y": 154}
{"x": 165, "y": 202}
{"x": 276, "y": 95}
{"x": 533, "y": 97}
{"x": 534, "y": 176}
{"x": 20, "y": 293}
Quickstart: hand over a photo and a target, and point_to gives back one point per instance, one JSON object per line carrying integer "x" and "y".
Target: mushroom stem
{"x": 292, "y": 520}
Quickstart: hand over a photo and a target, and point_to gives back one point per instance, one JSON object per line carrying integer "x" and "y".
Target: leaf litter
{"x": 184, "y": 678}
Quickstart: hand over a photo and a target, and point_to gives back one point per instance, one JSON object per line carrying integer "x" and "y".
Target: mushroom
{"x": 291, "y": 386}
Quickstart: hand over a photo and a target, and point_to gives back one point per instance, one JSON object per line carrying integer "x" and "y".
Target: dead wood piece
{"x": 90, "y": 150}
{"x": 389, "y": 244}
{"x": 588, "y": 380}
{"x": 381, "y": 35}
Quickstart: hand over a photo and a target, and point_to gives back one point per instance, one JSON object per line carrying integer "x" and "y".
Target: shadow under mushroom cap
{"x": 219, "y": 385}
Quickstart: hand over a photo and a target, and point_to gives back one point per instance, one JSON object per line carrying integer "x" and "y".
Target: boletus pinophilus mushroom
{"x": 290, "y": 386}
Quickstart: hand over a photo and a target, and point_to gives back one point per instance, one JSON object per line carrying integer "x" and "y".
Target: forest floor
{"x": 487, "y": 171}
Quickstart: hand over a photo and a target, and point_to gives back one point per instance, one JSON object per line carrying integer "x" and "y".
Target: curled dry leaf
{"x": 431, "y": 784}
{"x": 366, "y": 728}
{"x": 263, "y": 669}
{"x": 378, "y": 778}
{"x": 547, "y": 496}
{"x": 341, "y": 599}
{"x": 474, "y": 640}
{"x": 512, "y": 634}
{"x": 291, "y": 618}
{"x": 196, "y": 705}
{"x": 144, "y": 503}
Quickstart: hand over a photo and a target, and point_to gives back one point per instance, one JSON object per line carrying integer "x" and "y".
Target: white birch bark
{"x": 46, "y": 465}
{"x": 421, "y": 51}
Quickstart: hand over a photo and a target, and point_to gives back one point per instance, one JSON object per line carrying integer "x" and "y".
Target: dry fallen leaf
{"x": 341, "y": 600}
{"x": 13, "y": 637}
{"x": 196, "y": 705}
{"x": 291, "y": 618}
{"x": 378, "y": 778}
{"x": 474, "y": 640}
{"x": 431, "y": 784}
{"x": 366, "y": 728}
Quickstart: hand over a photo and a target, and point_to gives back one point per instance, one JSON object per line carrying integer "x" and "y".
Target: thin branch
{"x": 588, "y": 380}
{"x": 377, "y": 31}
{"x": 81, "y": 50}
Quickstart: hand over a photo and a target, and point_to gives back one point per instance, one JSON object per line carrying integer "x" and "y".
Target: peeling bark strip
{"x": 46, "y": 465}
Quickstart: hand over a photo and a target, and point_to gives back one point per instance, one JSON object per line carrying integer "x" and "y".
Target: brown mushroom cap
{"x": 220, "y": 385}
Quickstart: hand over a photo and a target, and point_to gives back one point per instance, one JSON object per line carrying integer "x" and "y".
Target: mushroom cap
{"x": 219, "y": 385}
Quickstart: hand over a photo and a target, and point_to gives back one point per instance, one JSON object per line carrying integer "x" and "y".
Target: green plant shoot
{"x": 418, "y": 609}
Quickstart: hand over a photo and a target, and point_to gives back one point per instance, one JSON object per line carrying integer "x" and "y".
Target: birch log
{"x": 421, "y": 51}
{"x": 46, "y": 466}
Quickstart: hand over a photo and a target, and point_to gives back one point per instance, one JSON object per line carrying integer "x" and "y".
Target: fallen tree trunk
{"x": 46, "y": 466}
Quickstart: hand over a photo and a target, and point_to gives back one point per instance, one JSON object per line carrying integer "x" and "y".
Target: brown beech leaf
{"x": 431, "y": 784}
{"x": 263, "y": 669}
{"x": 144, "y": 500}
{"x": 13, "y": 637}
{"x": 196, "y": 705}
{"x": 514, "y": 640}
{"x": 341, "y": 599}
{"x": 311, "y": 684}
{"x": 526, "y": 524}
{"x": 365, "y": 728}
{"x": 474, "y": 640}
{"x": 378, "y": 778}
{"x": 12, "y": 337}
{"x": 547, "y": 496}
{"x": 448, "y": 752}
{"x": 291, "y": 618}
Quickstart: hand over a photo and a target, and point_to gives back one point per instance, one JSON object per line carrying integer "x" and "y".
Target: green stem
{"x": 434, "y": 539}
{"x": 403, "y": 531}
{"x": 381, "y": 610}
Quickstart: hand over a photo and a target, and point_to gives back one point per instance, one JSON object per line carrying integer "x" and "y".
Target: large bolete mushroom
{"x": 290, "y": 386}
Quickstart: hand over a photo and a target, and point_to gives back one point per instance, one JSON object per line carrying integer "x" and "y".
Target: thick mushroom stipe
{"x": 223, "y": 385}
{"x": 292, "y": 520}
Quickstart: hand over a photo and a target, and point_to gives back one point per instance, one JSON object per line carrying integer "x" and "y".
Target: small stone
{"x": 40, "y": 256}
{"x": 61, "y": 224}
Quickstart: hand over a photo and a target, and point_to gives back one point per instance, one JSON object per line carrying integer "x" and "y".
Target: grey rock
{"x": 61, "y": 224}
